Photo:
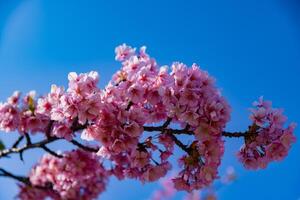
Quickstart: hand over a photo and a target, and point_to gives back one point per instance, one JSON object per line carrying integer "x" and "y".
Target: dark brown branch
{"x": 20, "y": 150}
{"x": 42, "y": 144}
{"x": 28, "y": 139}
{"x": 180, "y": 144}
{"x": 129, "y": 105}
{"x": 173, "y": 131}
{"x": 51, "y": 152}
{"x": 234, "y": 134}
{"x": 86, "y": 148}
{"x": 49, "y": 128}
{"x": 18, "y": 141}
{"x": 186, "y": 131}
{"x": 22, "y": 179}
{"x": 167, "y": 123}
{"x": 77, "y": 127}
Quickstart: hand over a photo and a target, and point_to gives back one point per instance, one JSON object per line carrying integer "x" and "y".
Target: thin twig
{"x": 22, "y": 179}
{"x": 86, "y": 148}
{"x": 167, "y": 123}
{"x": 6, "y": 152}
{"x": 51, "y": 152}
{"x": 180, "y": 144}
{"x": 28, "y": 139}
{"x": 19, "y": 140}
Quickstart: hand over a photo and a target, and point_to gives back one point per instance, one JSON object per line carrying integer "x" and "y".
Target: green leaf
{"x": 2, "y": 146}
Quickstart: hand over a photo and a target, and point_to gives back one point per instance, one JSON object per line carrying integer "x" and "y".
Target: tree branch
{"x": 180, "y": 144}
{"x": 186, "y": 131}
{"x": 51, "y": 152}
{"x": 28, "y": 139}
{"x": 86, "y": 148}
{"x": 22, "y": 179}
{"x": 20, "y": 150}
{"x": 15, "y": 145}
{"x": 234, "y": 134}
{"x": 173, "y": 131}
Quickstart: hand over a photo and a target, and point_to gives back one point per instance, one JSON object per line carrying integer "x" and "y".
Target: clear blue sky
{"x": 252, "y": 48}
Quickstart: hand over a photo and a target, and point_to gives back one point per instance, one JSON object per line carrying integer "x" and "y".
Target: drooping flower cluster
{"x": 200, "y": 167}
{"x": 268, "y": 139}
{"x": 78, "y": 175}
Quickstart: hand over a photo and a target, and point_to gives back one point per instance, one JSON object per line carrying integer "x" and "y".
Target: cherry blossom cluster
{"x": 81, "y": 103}
{"x": 168, "y": 191}
{"x": 200, "y": 167}
{"x": 29, "y": 193}
{"x": 20, "y": 115}
{"x": 143, "y": 93}
{"x": 78, "y": 175}
{"x": 267, "y": 140}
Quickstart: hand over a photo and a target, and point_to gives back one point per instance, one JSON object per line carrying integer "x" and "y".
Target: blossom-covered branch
{"x": 184, "y": 100}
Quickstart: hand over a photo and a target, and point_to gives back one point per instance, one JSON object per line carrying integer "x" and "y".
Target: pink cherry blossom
{"x": 78, "y": 175}
{"x": 272, "y": 140}
{"x": 138, "y": 119}
{"x": 123, "y": 52}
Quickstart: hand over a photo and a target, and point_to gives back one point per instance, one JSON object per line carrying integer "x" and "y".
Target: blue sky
{"x": 252, "y": 48}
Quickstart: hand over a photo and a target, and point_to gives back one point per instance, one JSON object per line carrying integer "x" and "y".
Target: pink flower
{"x": 133, "y": 129}
{"x": 91, "y": 133}
{"x": 258, "y": 116}
{"x": 118, "y": 146}
{"x": 29, "y": 193}
{"x": 271, "y": 142}
{"x": 78, "y": 175}
{"x": 9, "y": 117}
{"x": 123, "y": 52}
{"x": 62, "y": 130}
{"x": 155, "y": 172}
{"x": 136, "y": 93}
{"x": 14, "y": 99}
{"x": 188, "y": 98}
{"x": 276, "y": 151}
{"x": 140, "y": 159}
{"x": 103, "y": 152}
